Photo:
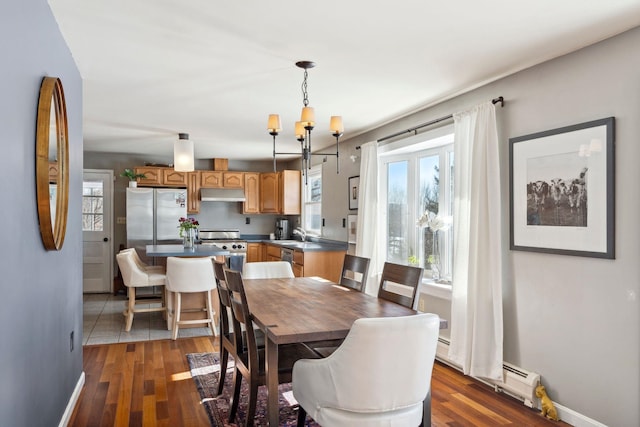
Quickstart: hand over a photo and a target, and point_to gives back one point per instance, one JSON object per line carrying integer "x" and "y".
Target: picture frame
{"x": 562, "y": 193}
{"x": 353, "y": 190}
{"x": 352, "y": 228}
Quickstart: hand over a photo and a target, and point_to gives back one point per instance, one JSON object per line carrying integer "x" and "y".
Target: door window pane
{"x": 92, "y": 206}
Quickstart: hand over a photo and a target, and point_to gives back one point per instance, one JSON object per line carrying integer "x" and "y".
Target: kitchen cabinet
{"x": 221, "y": 179}
{"x": 161, "y": 177}
{"x": 280, "y": 192}
{"x": 273, "y": 253}
{"x": 53, "y": 172}
{"x": 251, "y": 193}
{"x": 254, "y": 252}
{"x": 193, "y": 192}
{"x": 327, "y": 264}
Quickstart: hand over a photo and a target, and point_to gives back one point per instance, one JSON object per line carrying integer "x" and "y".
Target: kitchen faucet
{"x": 300, "y": 232}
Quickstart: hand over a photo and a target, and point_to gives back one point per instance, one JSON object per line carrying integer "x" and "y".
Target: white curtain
{"x": 476, "y": 307}
{"x": 367, "y": 224}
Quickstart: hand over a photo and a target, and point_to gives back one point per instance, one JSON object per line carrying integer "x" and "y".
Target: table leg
{"x": 271, "y": 366}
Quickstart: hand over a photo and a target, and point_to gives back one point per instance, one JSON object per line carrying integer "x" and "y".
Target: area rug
{"x": 205, "y": 370}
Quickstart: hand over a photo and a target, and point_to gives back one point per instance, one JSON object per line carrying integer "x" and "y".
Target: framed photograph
{"x": 352, "y": 225}
{"x": 354, "y": 187}
{"x": 562, "y": 190}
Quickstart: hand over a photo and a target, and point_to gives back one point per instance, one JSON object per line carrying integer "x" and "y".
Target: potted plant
{"x": 130, "y": 173}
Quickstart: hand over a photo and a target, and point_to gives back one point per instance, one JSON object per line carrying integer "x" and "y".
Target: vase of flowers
{"x": 435, "y": 223}
{"x": 188, "y": 229}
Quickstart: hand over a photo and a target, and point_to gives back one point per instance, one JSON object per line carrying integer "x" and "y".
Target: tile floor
{"x": 103, "y": 322}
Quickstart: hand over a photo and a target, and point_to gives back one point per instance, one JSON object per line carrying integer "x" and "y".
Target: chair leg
{"x": 210, "y": 315}
{"x": 224, "y": 359}
{"x": 253, "y": 397}
{"x": 237, "y": 382}
{"x": 176, "y": 314}
{"x": 302, "y": 416}
{"x": 131, "y": 303}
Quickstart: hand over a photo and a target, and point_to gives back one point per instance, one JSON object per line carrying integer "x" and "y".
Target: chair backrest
{"x": 355, "y": 270}
{"x": 132, "y": 274}
{"x": 223, "y": 295}
{"x": 267, "y": 270}
{"x": 384, "y": 363}
{"x": 190, "y": 274}
{"x": 241, "y": 315}
{"x": 399, "y": 283}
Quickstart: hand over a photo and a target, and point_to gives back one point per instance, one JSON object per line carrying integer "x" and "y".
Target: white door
{"x": 97, "y": 231}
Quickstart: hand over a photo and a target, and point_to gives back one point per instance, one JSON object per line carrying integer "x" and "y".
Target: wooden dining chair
{"x": 399, "y": 283}
{"x": 250, "y": 363}
{"x": 355, "y": 271}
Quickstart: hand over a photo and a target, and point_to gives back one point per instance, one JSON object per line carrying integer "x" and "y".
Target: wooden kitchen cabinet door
{"x": 233, "y": 179}
{"x": 211, "y": 179}
{"x": 254, "y": 252}
{"x": 193, "y": 192}
{"x": 153, "y": 176}
{"x": 251, "y": 193}
{"x": 172, "y": 178}
{"x": 269, "y": 194}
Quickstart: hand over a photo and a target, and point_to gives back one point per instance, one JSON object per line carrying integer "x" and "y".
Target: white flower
{"x": 434, "y": 222}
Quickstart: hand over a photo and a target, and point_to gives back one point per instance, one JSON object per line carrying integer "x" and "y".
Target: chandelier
{"x": 303, "y": 128}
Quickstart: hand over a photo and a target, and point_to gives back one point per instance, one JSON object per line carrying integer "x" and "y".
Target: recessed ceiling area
{"x": 216, "y": 70}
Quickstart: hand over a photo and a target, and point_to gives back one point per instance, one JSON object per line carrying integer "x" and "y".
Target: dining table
{"x": 307, "y": 309}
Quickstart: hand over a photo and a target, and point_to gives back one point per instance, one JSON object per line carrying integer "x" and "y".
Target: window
{"x": 312, "y": 210}
{"x": 417, "y": 176}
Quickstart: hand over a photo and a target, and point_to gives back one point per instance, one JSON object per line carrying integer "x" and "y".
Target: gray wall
{"x": 41, "y": 291}
{"x": 574, "y": 320}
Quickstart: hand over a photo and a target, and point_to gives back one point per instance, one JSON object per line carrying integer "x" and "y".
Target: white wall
{"x": 41, "y": 290}
{"x": 574, "y": 320}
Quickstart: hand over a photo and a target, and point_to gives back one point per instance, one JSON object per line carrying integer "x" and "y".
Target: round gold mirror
{"x": 52, "y": 163}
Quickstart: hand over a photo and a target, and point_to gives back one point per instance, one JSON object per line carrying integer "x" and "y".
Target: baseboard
{"x": 72, "y": 402}
{"x": 576, "y": 419}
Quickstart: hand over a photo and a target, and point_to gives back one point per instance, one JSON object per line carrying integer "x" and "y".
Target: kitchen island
{"x": 181, "y": 251}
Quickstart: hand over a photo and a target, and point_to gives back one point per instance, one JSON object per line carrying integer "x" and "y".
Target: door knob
{"x": 106, "y": 239}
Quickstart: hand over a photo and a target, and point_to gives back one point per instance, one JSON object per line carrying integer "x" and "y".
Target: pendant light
{"x": 183, "y": 154}
{"x": 304, "y": 127}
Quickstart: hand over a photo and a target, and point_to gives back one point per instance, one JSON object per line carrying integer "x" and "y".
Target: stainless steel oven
{"x": 228, "y": 240}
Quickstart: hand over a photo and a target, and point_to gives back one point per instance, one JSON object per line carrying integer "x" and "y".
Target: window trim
{"x": 314, "y": 170}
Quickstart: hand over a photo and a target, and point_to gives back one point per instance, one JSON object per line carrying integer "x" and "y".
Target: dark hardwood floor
{"x": 148, "y": 384}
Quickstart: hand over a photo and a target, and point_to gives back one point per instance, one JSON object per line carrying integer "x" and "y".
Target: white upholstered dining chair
{"x": 191, "y": 275}
{"x": 134, "y": 277}
{"x": 379, "y": 376}
{"x": 267, "y": 270}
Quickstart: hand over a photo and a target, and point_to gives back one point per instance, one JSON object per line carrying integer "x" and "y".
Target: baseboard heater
{"x": 517, "y": 383}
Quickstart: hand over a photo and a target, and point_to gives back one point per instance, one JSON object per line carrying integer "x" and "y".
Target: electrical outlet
{"x": 71, "y": 341}
{"x": 247, "y": 220}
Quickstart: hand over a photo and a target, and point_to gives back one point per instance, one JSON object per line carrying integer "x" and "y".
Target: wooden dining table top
{"x": 306, "y": 309}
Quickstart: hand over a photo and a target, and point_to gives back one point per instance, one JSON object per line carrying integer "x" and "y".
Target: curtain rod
{"x": 499, "y": 99}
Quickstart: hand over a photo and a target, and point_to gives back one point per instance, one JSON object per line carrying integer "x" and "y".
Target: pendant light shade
{"x": 183, "y": 154}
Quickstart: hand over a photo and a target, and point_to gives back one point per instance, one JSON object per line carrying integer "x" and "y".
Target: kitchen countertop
{"x": 181, "y": 251}
{"x": 308, "y": 246}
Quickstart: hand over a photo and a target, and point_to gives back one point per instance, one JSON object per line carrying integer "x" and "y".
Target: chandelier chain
{"x": 305, "y": 93}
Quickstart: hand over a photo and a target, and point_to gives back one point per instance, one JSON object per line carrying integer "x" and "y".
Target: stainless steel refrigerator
{"x": 152, "y": 217}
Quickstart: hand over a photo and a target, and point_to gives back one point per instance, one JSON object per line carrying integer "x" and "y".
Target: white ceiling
{"x": 217, "y": 69}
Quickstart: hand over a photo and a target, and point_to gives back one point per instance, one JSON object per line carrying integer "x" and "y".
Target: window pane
{"x": 429, "y": 172}
{"x": 397, "y": 211}
{"x": 92, "y": 206}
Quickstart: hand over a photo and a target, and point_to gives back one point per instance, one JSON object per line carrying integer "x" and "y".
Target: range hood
{"x": 222, "y": 195}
